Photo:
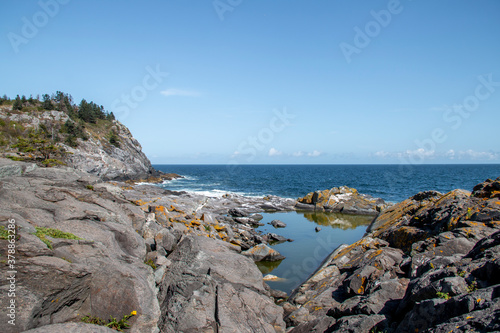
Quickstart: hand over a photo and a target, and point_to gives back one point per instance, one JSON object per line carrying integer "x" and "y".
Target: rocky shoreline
{"x": 185, "y": 262}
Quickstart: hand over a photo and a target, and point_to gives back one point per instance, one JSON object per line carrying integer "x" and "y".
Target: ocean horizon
{"x": 391, "y": 182}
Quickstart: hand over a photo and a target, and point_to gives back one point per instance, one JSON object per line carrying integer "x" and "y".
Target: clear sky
{"x": 240, "y": 81}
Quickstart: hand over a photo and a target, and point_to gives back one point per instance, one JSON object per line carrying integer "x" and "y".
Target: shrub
{"x": 443, "y": 295}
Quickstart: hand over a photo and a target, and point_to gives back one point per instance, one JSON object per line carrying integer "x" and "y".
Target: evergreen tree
{"x": 86, "y": 112}
{"x": 110, "y": 116}
{"x": 18, "y": 105}
{"x": 47, "y": 103}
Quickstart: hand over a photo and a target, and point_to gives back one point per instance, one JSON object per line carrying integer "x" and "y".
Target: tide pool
{"x": 309, "y": 248}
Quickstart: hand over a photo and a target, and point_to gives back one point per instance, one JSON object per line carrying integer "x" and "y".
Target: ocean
{"x": 392, "y": 183}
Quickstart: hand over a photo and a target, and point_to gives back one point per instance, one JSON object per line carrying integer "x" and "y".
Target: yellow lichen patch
{"x": 174, "y": 209}
{"x": 361, "y": 289}
{"x": 141, "y": 202}
{"x": 219, "y": 227}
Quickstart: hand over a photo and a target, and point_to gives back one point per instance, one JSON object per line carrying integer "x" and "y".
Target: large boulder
{"x": 343, "y": 200}
{"x": 211, "y": 288}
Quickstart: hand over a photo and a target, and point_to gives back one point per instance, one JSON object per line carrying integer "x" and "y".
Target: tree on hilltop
{"x": 18, "y": 104}
{"x": 47, "y": 103}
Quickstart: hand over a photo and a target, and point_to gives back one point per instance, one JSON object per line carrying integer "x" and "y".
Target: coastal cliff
{"x": 84, "y": 137}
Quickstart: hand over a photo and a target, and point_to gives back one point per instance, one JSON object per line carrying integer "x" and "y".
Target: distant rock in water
{"x": 343, "y": 200}
{"x": 317, "y": 229}
{"x": 278, "y": 224}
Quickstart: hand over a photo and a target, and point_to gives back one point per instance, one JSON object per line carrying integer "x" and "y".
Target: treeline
{"x": 41, "y": 142}
{"x": 88, "y": 112}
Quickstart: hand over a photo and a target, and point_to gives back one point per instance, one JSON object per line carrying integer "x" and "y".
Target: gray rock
{"x": 166, "y": 240}
{"x": 256, "y": 216}
{"x": 211, "y": 288}
{"x": 71, "y": 327}
{"x": 235, "y": 212}
{"x": 262, "y": 252}
{"x": 278, "y": 224}
{"x": 272, "y": 237}
{"x": 358, "y": 323}
{"x": 101, "y": 274}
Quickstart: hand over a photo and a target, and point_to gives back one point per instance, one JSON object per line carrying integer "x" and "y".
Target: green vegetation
{"x": 50, "y": 162}
{"x": 472, "y": 287}
{"x": 42, "y": 233}
{"x": 150, "y": 263}
{"x": 443, "y": 295}
{"x": 90, "y": 187}
{"x": 114, "y": 139}
{"x": 113, "y": 323}
{"x": 207, "y": 228}
{"x": 41, "y": 141}
{"x": 4, "y": 233}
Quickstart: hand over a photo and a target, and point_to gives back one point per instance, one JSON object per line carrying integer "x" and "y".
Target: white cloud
{"x": 274, "y": 152}
{"x": 298, "y": 154}
{"x": 478, "y": 155}
{"x": 179, "y": 92}
{"x": 431, "y": 154}
{"x": 421, "y": 152}
{"x": 314, "y": 154}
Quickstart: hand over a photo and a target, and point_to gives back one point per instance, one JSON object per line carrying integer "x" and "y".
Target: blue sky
{"x": 238, "y": 81}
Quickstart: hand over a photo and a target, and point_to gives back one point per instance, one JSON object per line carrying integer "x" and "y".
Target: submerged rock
{"x": 278, "y": 224}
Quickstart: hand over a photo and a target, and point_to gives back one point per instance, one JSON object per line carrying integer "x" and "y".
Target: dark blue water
{"x": 389, "y": 182}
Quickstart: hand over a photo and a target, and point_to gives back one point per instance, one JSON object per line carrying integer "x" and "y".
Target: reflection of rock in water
{"x": 267, "y": 267}
{"x": 338, "y": 220}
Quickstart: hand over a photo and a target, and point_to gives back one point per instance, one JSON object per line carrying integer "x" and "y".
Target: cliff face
{"x": 96, "y": 155}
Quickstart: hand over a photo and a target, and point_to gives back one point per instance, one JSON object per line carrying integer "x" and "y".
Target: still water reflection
{"x": 309, "y": 247}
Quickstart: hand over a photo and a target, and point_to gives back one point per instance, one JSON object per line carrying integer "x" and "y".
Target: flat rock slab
{"x": 210, "y": 287}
